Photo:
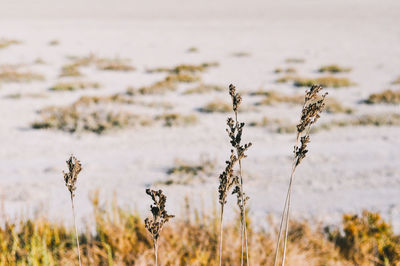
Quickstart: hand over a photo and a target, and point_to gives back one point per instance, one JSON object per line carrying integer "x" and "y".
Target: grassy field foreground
{"x": 120, "y": 238}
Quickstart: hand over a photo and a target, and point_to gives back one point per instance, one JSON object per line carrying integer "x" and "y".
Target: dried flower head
{"x": 312, "y": 108}
{"x": 160, "y": 216}
{"x": 70, "y": 178}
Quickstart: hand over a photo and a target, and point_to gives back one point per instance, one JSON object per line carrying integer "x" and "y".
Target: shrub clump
{"x": 4, "y": 43}
{"x": 367, "y": 237}
{"x": 204, "y": 88}
{"x": 325, "y": 81}
{"x": 11, "y": 74}
{"x": 175, "y": 119}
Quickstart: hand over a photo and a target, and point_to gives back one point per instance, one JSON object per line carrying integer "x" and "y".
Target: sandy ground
{"x": 347, "y": 169}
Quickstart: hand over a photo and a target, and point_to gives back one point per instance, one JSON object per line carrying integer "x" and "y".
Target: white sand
{"x": 346, "y": 170}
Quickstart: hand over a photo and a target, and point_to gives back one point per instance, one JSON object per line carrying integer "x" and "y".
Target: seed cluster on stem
{"x": 228, "y": 179}
{"x": 160, "y": 216}
{"x": 314, "y": 103}
{"x": 70, "y": 178}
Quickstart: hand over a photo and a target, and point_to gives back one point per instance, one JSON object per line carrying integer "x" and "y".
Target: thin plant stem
{"x": 221, "y": 235}
{"x": 155, "y": 244}
{"x": 287, "y": 216}
{"x": 76, "y": 231}
{"x": 285, "y": 207}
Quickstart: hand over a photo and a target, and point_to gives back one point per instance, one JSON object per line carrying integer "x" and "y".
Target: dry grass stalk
{"x": 312, "y": 107}
{"x": 227, "y": 179}
{"x": 70, "y": 178}
{"x": 160, "y": 217}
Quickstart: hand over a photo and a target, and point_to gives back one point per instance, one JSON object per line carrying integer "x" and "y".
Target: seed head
{"x": 160, "y": 216}
{"x": 70, "y": 178}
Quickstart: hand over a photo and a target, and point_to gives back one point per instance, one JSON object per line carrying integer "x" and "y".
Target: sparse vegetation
{"x": 325, "y": 81}
{"x": 113, "y": 64}
{"x": 175, "y": 119}
{"x": 74, "y": 85}
{"x": 289, "y": 70}
{"x": 192, "y": 50}
{"x": 13, "y": 75}
{"x": 184, "y": 68}
{"x": 184, "y": 172}
{"x": 241, "y": 54}
{"x": 333, "y": 69}
{"x": 216, "y": 106}
{"x": 54, "y": 42}
{"x": 396, "y": 81}
{"x": 386, "y": 97}
{"x": 204, "y": 88}
{"x": 295, "y": 60}
{"x": 4, "y": 43}
{"x": 120, "y": 238}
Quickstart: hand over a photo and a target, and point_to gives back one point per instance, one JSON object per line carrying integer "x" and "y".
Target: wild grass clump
{"x": 325, "y": 81}
{"x": 386, "y": 97}
{"x": 112, "y": 64}
{"x": 241, "y": 54}
{"x": 74, "y": 85}
{"x": 159, "y": 87}
{"x": 312, "y": 107}
{"x": 333, "y": 69}
{"x": 176, "y": 119}
{"x": 289, "y": 70}
{"x": 160, "y": 217}
{"x": 4, "y": 43}
{"x": 192, "y": 50}
{"x": 377, "y": 120}
{"x": 13, "y": 75}
{"x": 184, "y": 68}
{"x": 367, "y": 239}
{"x": 73, "y": 119}
{"x": 216, "y": 106}
{"x": 274, "y": 97}
{"x": 54, "y": 42}
{"x": 295, "y": 60}
{"x": 204, "y": 88}
{"x": 396, "y": 81}
{"x": 184, "y": 172}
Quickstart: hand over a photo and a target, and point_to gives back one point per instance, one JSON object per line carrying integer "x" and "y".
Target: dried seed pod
{"x": 70, "y": 178}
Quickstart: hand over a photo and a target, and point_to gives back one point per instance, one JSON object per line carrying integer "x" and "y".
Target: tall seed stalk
{"x": 227, "y": 179}
{"x": 160, "y": 217}
{"x": 312, "y": 107}
{"x": 70, "y": 178}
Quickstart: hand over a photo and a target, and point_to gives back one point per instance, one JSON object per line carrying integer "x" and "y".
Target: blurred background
{"x": 138, "y": 91}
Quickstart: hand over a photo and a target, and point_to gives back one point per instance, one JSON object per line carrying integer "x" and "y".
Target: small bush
{"x": 367, "y": 239}
{"x": 184, "y": 68}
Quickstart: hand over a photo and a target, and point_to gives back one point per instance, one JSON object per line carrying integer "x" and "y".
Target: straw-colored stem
{"x": 243, "y": 218}
{"x": 221, "y": 235}
{"x": 76, "y": 231}
{"x": 287, "y": 216}
{"x": 155, "y": 244}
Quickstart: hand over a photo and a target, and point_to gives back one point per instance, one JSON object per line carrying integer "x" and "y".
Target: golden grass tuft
{"x": 175, "y": 119}
{"x": 119, "y": 237}
{"x": 386, "y": 97}
{"x": 334, "y": 69}
{"x": 184, "y": 68}
{"x": 216, "y": 106}
{"x": 11, "y": 74}
{"x": 295, "y": 60}
{"x": 4, "y": 43}
{"x": 74, "y": 85}
{"x": 204, "y": 88}
{"x": 325, "y": 81}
